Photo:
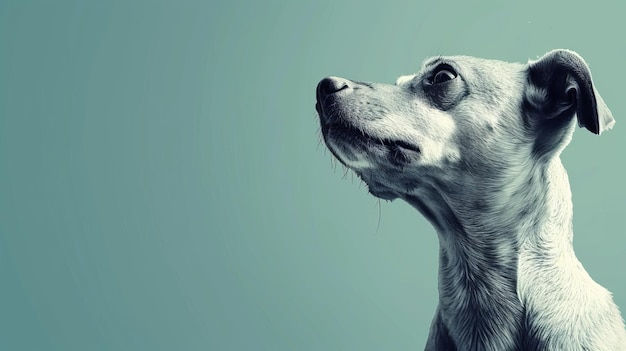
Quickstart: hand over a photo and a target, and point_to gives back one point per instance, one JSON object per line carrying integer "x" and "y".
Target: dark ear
{"x": 559, "y": 86}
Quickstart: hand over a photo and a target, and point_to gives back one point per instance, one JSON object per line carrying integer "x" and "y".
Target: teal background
{"x": 162, "y": 184}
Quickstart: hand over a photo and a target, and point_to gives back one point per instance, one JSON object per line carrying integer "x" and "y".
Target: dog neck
{"x": 486, "y": 246}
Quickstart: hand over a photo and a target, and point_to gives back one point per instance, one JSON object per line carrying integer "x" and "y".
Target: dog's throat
{"x": 478, "y": 264}
{"x": 477, "y": 296}
{"x": 482, "y": 252}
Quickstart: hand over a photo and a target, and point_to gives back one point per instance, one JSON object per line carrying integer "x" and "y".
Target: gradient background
{"x": 162, "y": 186}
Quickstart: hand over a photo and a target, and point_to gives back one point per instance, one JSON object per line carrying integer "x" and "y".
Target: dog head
{"x": 460, "y": 123}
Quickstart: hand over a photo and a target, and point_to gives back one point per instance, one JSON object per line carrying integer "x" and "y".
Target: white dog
{"x": 474, "y": 145}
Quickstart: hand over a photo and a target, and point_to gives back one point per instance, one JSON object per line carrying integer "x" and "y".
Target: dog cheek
{"x": 438, "y": 154}
{"x": 452, "y": 156}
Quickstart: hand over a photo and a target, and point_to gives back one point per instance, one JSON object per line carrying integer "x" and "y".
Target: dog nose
{"x": 331, "y": 85}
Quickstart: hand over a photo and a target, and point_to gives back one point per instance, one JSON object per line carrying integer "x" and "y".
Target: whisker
{"x": 345, "y": 172}
{"x": 320, "y": 138}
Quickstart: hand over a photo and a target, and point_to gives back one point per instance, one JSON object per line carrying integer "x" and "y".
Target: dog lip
{"x": 344, "y": 130}
{"x": 322, "y": 106}
{"x": 405, "y": 145}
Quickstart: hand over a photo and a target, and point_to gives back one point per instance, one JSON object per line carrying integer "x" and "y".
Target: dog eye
{"x": 443, "y": 74}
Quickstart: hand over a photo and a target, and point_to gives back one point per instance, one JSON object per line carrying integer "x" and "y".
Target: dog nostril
{"x": 331, "y": 85}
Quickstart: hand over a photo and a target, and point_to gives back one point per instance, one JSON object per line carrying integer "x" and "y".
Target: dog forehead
{"x": 483, "y": 74}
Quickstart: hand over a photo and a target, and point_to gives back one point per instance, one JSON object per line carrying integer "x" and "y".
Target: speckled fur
{"x": 478, "y": 156}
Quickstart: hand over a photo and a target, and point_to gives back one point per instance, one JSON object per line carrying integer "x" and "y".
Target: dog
{"x": 474, "y": 145}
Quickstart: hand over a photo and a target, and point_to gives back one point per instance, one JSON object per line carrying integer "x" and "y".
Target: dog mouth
{"x": 400, "y": 152}
{"x": 353, "y": 140}
{"x": 402, "y": 145}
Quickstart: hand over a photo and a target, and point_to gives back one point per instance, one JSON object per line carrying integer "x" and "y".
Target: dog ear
{"x": 559, "y": 86}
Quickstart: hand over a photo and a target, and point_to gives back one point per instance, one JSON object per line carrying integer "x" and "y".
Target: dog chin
{"x": 383, "y": 194}
{"x": 359, "y": 163}
{"x": 378, "y": 189}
